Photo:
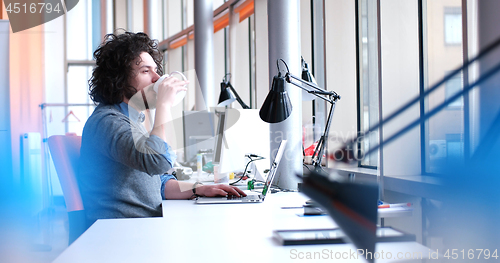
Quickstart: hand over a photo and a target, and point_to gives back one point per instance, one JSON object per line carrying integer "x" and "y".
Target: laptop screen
{"x": 219, "y": 137}
{"x": 274, "y": 167}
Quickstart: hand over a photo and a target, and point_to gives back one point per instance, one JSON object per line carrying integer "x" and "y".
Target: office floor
{"x": 50, "y": 237}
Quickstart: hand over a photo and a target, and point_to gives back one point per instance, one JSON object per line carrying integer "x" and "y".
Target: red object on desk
{"x": 395, "y": 205}
{"x": 309, "y": 151}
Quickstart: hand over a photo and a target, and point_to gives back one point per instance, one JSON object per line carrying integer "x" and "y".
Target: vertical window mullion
{"x": 421, "y": 62}
{"x": 465, "y": 50}
{"x": 358, "y": 75}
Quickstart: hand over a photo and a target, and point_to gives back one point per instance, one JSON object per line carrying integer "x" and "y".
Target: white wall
{"x": 138, "y": 16}
{"x": 173, "y": 20}
{"x": 189, "y": 64}
{"x": 219, "y": 63}
{"x": 54, "y": 81}
{"x": 306, "y": 52}
{"x": 54, "y": 60}
{"x": 241, "y": 76}
{"x": 5, "y": 128}
{"x": 263, "y": 84}
{"x": 341, "y": 70}
{"x": 120, "y": 14}
{"x": 400, "y": 83}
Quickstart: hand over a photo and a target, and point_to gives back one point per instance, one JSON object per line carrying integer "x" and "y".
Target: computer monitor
{"x": 241, "y": 132}
{"x": 219, "y": 135}
{"x": 199, "y": 131}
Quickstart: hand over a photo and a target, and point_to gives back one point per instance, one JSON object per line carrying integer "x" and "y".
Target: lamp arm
{"x": 320, "y": 147}
{"x": 331, "y": 97}
{"x": 317, "y": 90}
{"x": 313, "y": 92}
{"x": 243, "y": 105}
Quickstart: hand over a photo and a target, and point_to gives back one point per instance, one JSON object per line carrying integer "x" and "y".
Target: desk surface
{"x": 215, "y": 233}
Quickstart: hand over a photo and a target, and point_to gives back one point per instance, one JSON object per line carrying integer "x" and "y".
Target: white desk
{"x": 213, "y": 233}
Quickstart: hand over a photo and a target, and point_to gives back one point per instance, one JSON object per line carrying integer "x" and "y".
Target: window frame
{"x": 424, "y": 131}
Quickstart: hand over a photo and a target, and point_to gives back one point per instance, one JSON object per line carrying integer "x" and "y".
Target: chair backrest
{"x": 65, "y": 151}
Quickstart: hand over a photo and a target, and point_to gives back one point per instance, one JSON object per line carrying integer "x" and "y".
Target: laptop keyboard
{"x": 243, "y": 198}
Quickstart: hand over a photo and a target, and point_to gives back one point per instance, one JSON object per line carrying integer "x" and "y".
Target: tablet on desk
{"x": 334, "y": 236}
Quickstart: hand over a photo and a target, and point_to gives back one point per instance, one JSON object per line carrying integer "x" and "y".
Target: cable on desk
{"x": 283, "y": 189}
{"x": 275, "y": 186}
{"x": 246, "y": 167}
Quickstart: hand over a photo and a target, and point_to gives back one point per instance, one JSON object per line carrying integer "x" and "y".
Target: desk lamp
{"x": 228, "y": 95}
{"x": 353, "y": 206}
{"x": 277, "y": 106}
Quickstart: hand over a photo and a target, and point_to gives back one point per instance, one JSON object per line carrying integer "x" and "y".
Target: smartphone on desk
{"x": 334, "y": 236}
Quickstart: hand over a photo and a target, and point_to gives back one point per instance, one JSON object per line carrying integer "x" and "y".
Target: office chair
{"x": 65, "y": 151}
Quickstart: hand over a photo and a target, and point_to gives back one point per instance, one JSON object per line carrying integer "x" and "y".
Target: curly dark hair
{"x": 110, "y": 81}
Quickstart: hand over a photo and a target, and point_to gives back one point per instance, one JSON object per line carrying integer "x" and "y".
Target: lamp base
{"x": 308, "y": 160}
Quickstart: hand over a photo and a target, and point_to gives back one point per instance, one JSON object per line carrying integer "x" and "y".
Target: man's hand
{"x": 219, "y": 190}
{"x": 168, "y": 89}
{"x": 165, "y": 98}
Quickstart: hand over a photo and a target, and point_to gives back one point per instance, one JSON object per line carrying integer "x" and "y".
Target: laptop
{"x": 249, "y": 198}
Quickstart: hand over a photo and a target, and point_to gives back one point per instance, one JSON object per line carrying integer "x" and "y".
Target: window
{"x": 452, "y": 25}
{"x": 369, "y": 80}
{"x": 445, "y": 131}
{"x": 78, "y": 87}
{"x": 390, "y": 60}
{"x": 452, "y": 87}
{"x": 82, "y": 38}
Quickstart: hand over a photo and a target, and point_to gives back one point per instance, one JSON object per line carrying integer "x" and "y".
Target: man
{"x": 122, "y": 165}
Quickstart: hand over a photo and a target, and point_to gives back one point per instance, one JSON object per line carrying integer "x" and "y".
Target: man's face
{"x": 144, "y": 74}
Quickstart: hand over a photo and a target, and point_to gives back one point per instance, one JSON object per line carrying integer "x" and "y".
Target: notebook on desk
{"x": 249, "y": 198}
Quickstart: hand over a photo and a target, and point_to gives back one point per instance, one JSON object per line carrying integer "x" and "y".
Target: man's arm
{"x": 115, "y": 136}
{"x": 183, "y": 190}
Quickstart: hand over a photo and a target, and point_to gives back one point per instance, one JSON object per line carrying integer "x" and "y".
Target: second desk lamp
{"x": 228, "y": 95}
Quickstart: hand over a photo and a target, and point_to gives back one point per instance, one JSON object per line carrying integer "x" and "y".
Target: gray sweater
{"x": 120, "y": 166}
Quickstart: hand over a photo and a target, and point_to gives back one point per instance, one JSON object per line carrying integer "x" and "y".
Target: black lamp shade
{"x": 277, "y": 106}
{"x": 306, "y": 75}
{"x": 225, "y": 97}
